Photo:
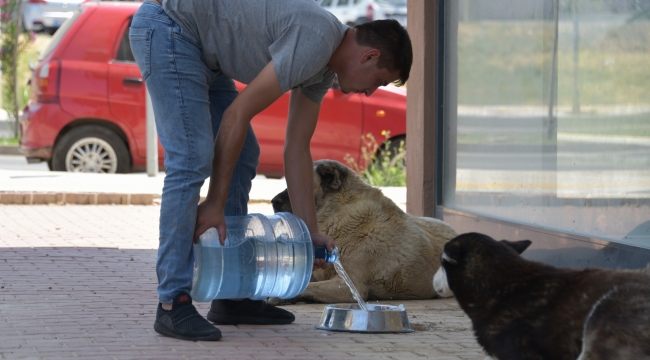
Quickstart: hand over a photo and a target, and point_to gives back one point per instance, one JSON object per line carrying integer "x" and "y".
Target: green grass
{"x": 508, "y": 63}
{"x": 8, "y": 141}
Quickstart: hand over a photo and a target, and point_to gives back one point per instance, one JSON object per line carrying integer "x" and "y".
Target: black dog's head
{"x": 329, "y": 179}
{"x": 473, "y": 262}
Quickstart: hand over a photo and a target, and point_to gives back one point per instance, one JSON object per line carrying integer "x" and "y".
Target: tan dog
{"x": 387, "y": 253}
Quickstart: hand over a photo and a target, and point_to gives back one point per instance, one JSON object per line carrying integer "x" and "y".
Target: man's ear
{"x": 370, "y": 55}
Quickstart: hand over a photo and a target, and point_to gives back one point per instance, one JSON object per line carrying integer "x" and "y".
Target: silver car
{"x": 47, "y": 15}
{"x": 352, "y": 12}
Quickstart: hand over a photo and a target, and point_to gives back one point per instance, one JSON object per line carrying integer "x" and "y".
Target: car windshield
{"x": 391, "y": 2}
{"x": 58, "y": 35}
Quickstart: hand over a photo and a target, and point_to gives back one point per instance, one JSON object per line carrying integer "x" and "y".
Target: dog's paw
{"x": 273, "y": 301}
{"x": 277, "y": 301}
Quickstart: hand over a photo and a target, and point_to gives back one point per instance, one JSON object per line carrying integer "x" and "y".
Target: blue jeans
{"x": 189, "y": 100}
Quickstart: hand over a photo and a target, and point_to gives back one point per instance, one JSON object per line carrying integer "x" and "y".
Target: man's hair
{"x": 392, "y": 41}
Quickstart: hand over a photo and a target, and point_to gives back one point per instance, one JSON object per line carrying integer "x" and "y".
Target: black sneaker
{"x": 253, "y": 312}
{"x": 184, "y": 322}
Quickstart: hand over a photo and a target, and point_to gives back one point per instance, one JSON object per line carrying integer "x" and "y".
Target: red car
{"x": 87, "y": 105}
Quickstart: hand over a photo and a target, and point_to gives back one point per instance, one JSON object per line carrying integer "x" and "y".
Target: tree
{"x": 12, "y": 43}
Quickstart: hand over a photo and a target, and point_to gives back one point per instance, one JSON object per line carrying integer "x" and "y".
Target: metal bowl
{"x": 377, "y": 319}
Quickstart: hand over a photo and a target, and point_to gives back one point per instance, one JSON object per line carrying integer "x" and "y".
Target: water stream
{"x": 346, "y": 278}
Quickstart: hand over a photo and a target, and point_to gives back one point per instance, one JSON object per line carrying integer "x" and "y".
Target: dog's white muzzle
{"x": 440, "y": 283}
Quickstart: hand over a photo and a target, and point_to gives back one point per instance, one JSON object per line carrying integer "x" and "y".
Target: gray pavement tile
{"x": 79, "y": 281}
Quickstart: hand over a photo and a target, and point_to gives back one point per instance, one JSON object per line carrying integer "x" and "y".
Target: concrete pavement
{"x": 78, "y": 281}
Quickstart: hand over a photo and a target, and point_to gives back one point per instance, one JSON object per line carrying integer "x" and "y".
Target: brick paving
{"x": 79, "y": 282}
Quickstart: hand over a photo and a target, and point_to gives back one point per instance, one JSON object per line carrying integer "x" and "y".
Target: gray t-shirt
{"x": 240, "y": 37}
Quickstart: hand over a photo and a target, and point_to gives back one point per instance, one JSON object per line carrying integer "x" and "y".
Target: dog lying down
{"x": 522, "y": 309}
{"x": 387, "y": 253}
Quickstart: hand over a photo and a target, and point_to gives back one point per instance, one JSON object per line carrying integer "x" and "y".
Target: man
{"x": 189, "y": 52}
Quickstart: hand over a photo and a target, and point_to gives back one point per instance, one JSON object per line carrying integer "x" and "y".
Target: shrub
{"x": 380, "y": 164}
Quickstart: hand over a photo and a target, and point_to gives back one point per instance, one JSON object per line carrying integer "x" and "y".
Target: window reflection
{"x": 547, "y": 114}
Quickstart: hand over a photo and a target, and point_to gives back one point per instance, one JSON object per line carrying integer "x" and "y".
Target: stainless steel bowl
{"x": 377, "y": 319}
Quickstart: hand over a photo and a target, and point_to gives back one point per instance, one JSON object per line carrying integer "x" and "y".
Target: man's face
{"x": 364, "y": 77}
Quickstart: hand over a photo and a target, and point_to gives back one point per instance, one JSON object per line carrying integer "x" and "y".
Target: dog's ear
{"x": 518, "y": 246}
{"x": 453, "y": 252}
{"x": 281, "y": 202}
{"x": 331, "y": 174}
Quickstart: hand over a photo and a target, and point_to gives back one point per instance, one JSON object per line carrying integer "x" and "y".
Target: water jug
{"x": 263, "y": 256}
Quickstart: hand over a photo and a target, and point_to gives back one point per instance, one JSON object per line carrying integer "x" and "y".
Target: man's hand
{"x": 210, "y": 215}
{"x": 322, "y": 240}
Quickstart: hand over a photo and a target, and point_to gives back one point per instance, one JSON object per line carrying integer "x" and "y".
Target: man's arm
{"x": 298, "y": 165}
{"x": 257, "y": 96}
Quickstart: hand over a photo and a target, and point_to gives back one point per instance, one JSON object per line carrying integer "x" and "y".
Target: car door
{"x": 127, "y": 94}
{"x": 338, "y": 131}
{"x": 339, "y": 128}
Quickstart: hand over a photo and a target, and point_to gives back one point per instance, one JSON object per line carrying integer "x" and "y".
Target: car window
{"x": 392, "y": 2}
{"x": 124, "y": 53}
{"x": 326, "y": 3}
{"x": 356, "y": 1}
{"x": 343, "y": 3}
{"x": 59, "y": 34}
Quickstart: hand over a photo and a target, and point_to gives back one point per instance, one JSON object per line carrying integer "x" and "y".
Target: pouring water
{"x": 339, "y": 269}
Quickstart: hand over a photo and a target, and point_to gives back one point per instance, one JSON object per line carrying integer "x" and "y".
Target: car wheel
{"x": 93, "y": 149}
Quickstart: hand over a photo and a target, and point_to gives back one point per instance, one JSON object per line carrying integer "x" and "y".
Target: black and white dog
{"x": 522, "y": 309}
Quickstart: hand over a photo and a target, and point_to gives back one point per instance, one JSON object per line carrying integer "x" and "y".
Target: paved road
{"x": 18, "y": 162}
{"x": 79, "y": 282}
{"x": 6, "y": 129}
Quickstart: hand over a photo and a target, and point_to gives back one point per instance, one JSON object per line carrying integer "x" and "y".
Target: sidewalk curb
{"x": 63, "y": 198}
{"x": 10, "y": 150}
{"x": 86, "y": 198}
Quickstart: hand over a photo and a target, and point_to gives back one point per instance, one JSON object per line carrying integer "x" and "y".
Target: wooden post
{"x": 422, "y": 104}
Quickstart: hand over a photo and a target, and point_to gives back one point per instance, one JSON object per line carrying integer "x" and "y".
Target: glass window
{"x": 547, "y": 114}
{"x": 343, "y": 3}
{"x": 326, "y": 3}
{"x": 392, "y": 2}
{"x": 59, "y": 34}
{"x": 124, "y": 52}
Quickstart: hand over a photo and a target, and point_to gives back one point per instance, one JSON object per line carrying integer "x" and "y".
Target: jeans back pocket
{"x": 140, "y": 39}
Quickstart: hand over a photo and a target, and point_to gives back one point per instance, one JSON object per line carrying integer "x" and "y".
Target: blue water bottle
{"x": 263, "y": 256}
